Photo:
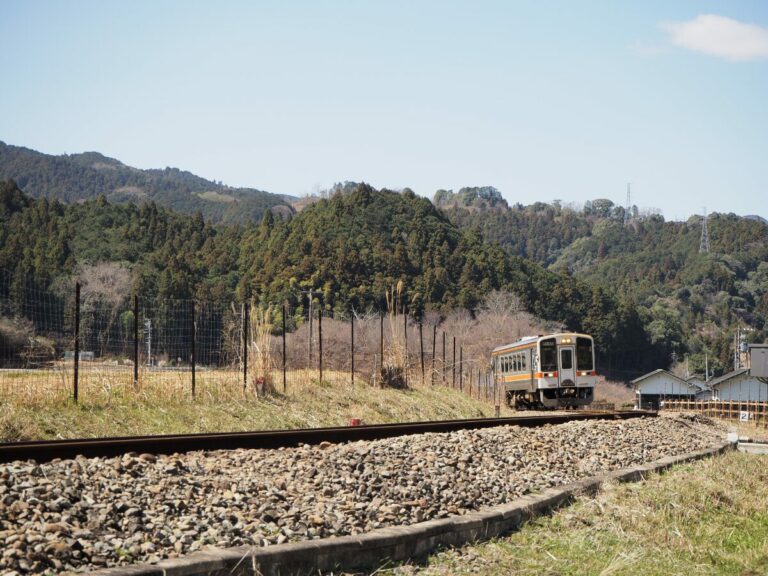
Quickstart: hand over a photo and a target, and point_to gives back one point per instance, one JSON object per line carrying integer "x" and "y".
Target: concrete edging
{"x": 396, "y": 543}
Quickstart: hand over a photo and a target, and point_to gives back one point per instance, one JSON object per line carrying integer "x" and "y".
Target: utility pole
{"x": 628, "y": 209}
{"x": 706, "y": 366}
{"x": 704, "y": 242}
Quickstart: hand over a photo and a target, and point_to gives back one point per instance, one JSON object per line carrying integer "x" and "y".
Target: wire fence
{"x": 77, "y": 345}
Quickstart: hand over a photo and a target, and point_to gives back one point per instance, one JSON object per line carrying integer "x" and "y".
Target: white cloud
{"x": 720, "y": 36}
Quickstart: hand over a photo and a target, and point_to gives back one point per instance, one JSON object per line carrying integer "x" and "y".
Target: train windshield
{"x": 584, "y": 354}
{"x": 548, "y": 355}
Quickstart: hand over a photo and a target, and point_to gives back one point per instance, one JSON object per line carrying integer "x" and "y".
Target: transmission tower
{"x": 704, "y": 243}
{"x": 628, "y": 209}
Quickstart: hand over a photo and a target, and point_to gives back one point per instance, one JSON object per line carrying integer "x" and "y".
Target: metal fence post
{"x": 284, "y": 358}
{"x": 320, "y": 339}
{"x": 405, "y": 337}
{"x": 421, "y": 349}
{"x": 443, "y": 358}
{"x": 352, "y": 344}
{"x": 193, "y": 348}
{"x": 136, "y": 341}
{"x": 453, "y": 365}
{"x": 77, "y": 343}
{"x": 246, "y": 324}
{"x": 381, "y": 342}
{"x": 432, "y": 371}
{"x": 461, "y": 369}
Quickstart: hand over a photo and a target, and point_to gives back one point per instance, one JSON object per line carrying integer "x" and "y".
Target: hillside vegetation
{"x": 635, "y": 281}
{"x": 351, "y": 248}
{"x": 694, "y": 302}
{"x": 76, "y": 177}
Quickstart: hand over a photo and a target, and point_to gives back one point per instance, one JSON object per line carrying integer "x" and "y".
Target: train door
{"x": 567, "y": 367}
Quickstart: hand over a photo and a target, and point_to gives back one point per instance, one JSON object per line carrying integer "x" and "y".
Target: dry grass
{"x": 109, "y": 405}
{"x": 614, "y": 393}
{"x": 708, "y": 517}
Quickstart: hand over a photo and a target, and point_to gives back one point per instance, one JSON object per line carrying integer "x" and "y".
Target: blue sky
{"x": 544, "y": 100}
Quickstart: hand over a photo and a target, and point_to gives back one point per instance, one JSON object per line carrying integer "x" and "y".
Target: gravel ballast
{"x": 83, "y": 514}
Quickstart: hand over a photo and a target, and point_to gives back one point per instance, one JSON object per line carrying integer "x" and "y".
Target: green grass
{"x": 708, "y": 517}
{"x": 109, "y": 406}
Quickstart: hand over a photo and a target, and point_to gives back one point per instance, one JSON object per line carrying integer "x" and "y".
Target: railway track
{"x": 47, "y": 450}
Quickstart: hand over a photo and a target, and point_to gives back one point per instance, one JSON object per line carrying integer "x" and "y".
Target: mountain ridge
{"x": 85, "y": 175}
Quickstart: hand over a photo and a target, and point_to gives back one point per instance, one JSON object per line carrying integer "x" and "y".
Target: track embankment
{"x": 89, "y": 513}
{"x": 46, "y": 450}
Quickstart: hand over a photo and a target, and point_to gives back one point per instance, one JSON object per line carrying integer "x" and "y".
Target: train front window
{"x": 548, "y": 355}
{"x": 566, "y": 359}
{"x": 584, "y": 354}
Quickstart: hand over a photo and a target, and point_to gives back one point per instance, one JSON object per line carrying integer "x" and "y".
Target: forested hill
{"x": 76, "y": 177}
{"x": 694, "y": 302}
{"x": 351, "y": 248}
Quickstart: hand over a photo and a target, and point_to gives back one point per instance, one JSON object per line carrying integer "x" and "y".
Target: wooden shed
{"x": 654, "y": 387}
{"x": 740, "y": 386}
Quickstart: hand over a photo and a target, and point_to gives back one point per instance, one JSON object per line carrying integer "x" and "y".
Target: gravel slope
{"x": 87, "y": 513}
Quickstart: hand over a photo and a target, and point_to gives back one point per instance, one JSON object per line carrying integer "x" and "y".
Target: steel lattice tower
{"x": 704, "y": 243}
{"x": 628, "y": 209}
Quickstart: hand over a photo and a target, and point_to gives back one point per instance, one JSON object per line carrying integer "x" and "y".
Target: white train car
{"x": 551, "y": 371}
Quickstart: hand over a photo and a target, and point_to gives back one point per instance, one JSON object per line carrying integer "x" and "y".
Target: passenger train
{"x": 552, "y": 371}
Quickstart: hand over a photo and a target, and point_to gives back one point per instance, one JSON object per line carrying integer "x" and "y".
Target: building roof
{"x": 728, "y": 376}
{"x": 661, "y": 371}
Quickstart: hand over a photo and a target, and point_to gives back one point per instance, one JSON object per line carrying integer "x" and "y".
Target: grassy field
{"x": 41, "y": 407}
{"x": 707, "y": 517}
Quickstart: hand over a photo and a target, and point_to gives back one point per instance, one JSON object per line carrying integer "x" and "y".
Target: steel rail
{"x": 47, "y": 450}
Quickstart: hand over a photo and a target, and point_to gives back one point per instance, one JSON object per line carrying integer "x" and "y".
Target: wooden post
{"x": 461, "y": 368}
{"x": 136, "y": 341}
{"x": 352, "y": 344}
{"x": 77, "y": 343}
{"x": 421, "y": 348}
{"x": 320, "y": 340}
{"x": 285, "y": 360}
{"x": 246, "y": 323}
{"x": 193, "y": 348}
